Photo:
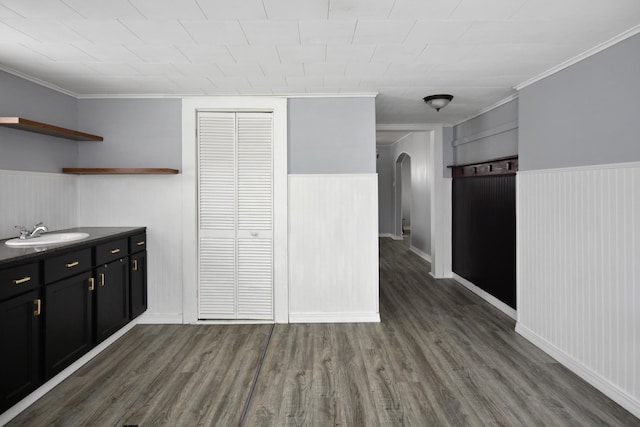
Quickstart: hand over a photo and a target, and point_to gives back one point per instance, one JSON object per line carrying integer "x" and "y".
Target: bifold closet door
{"x": 235, "y": 168}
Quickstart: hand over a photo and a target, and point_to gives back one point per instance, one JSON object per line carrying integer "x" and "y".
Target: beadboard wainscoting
{"x": 333, "y": 248}
{"x": 154, "y": 201}
{"x": 578, "y": 272}
{"x": 32, "y": 197}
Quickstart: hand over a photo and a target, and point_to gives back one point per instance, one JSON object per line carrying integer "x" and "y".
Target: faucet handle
{"x": 23, "y": 231}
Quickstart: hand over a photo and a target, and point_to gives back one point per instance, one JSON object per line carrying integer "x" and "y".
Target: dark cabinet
{"x": 55, "y": 307}
{"x": 112, "y": 298}
{"x": 20, "y": 323}
{"x": 68, "y": 321}
{"x": 138, "y": 283}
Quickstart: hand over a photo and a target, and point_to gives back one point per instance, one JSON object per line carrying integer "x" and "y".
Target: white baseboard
{"x": 610, "y": 390}
{"x": 160, "y": 318}
{"x": 334, "y": 317}
{"x": 421, "y": 254}
{"x": 389, "y": 235}
{"x": 486, "y": 296}
{"x": 16, "y": 409}
{"x": 394, "y": 237}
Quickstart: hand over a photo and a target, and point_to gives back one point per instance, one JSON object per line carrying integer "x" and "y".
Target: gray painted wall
{"x": 137, "y": 133}
{"x": 418, "y": 146}
{"x": 20, "y": 150}
{"x": 332, "y": 135}
{"x": 384, "y": 167}
{"x": 486, "y": 143}
{"x": 587, "y": 114}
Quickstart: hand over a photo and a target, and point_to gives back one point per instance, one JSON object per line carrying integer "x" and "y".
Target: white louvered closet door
{"x": 235, "y": 167}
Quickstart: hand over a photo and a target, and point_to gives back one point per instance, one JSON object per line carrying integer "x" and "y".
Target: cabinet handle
{"x": 21, "y": 281}
{"x": 140, "y": 243}
{"x": 101, "y": 279}
{"x": 72, "y": 264}
{"x": 92, "y": 284}
{"x": 38, "y": 305}
{"x": 115, "y": 251}
{"x": 135, "y": 265}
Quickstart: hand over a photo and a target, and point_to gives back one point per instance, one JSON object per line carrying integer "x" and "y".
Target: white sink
{"x": 47, "y": 239}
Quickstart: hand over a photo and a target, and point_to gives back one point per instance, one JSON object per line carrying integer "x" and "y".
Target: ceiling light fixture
{"x": 438, "y": 101}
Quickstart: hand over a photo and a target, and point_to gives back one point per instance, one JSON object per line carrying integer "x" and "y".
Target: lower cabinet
{"x": 68, "y": 321}
{"x": 20, "y": 326}
{"x": 54, "y": 308}
{"x": 138, "y": 284}
{"x": 112, "y": 298}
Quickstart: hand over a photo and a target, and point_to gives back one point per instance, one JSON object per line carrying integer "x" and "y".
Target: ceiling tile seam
{"x": 391, "y": 10}
{"x": 13, "y": 11}
{"x": 130, "y": 30}
{"x": 355, "y": 28}
{"x": 201, "y": 10}
{"x": 409, "y": 32}
{"x": 454, "y": 9}
{"x": 85, "y": 52}
{"x": 580, "y": 57}
{"x": 74, "y": 31}
{"x": 243, "y": 32}
{"x": 298, "y": 26}
{"x": 72, "y": 8}
{"x": 137, "y": 10}
{"x": 186, "y": 30}
{"x": 22, "y": 32}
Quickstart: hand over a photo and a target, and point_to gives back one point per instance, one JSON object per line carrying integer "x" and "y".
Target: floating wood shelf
{"x": 501, "y": 166}
{"x": 45, "y": 129}
{"x": 120, "y": 171}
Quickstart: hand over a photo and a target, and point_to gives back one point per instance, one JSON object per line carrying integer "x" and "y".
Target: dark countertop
{"x": 10, "y": 255}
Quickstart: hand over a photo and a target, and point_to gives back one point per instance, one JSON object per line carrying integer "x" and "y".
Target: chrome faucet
{"x": 35, "y": 232}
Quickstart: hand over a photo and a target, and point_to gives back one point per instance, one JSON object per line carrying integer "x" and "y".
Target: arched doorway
{"x": 402, "y": 225}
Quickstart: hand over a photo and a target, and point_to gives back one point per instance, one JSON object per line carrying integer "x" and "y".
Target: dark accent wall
{"x": 484, "y": 234}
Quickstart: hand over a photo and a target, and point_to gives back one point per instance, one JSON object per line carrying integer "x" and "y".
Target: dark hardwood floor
{"x": 440, "y": 357}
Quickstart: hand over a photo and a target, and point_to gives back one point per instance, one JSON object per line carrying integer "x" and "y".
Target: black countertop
{"x": 10, "y": 255}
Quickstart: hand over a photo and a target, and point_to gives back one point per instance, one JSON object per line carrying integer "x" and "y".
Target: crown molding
{"x": 408, "y": 127}
{"x": 599, "y": 48}
{"x": 489, "y": 108}
{"x": 269, "y": 95}
{"x": 37, "y": 81}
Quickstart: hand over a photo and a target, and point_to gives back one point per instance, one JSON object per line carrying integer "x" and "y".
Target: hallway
{"x": 441, "y": 356}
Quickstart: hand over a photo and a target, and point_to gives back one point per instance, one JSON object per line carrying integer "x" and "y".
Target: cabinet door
{"x": 67, "y": 316}
{"x": 112, "y": 298}
{"x": 20, "y": 355}
{"x": 138, "y": 284}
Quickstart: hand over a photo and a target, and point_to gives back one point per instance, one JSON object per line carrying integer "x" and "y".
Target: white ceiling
{"x": 477, "y": 50}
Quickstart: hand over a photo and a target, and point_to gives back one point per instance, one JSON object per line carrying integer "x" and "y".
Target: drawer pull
{"x": 72, "y": 264}
{"x": 21, "y": 281}
{"x": 135, "y": 265}
{"x": 101, "y": 279}
{"x": 140, "y": 243}
{"x": 115, "y": 251}
{"x": 92, "y": 284}
{"x": 38, "y": 304}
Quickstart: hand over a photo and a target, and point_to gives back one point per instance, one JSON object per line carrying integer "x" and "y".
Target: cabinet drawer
{"x": 111, "y": 251}
{"x": 16, "y": 280}
{"x": 137, "y": 243}
{"x": 66, "y": 265}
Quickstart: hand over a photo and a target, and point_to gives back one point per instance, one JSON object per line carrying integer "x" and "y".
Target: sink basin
{"x": 47, "y": 239}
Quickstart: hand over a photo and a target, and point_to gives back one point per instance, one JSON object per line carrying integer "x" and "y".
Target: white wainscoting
{"x": 32, "y": 197}
{"x": 578, "y": 272}
{"x": 333, "y": 248}
{"x": 154, "y": 201}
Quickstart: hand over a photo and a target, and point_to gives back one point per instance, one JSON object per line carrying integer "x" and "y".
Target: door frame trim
{"x": 190, "y": 108}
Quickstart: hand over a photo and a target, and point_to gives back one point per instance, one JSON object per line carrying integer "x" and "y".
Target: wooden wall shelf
{"x": 46, "y": 129}
{"x": 501, "y": 166}
{"x": 120, "y": 171}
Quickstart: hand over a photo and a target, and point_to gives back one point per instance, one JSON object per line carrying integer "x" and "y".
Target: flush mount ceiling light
{"x": 438, "y": 101}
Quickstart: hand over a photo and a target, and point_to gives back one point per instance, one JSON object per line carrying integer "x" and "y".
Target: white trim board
{"x": 610, "y": 390}
{"x": 581, "y": 168}
{"x": 16, "y": 409}
{"x": 334, "y": 317}
{"x": 421, "y": 254}
{"x": 160, "y": 319}
{"x": 486, "y": 296}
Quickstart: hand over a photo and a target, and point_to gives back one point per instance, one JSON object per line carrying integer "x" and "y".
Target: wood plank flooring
{"x": 440, "y": 357}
